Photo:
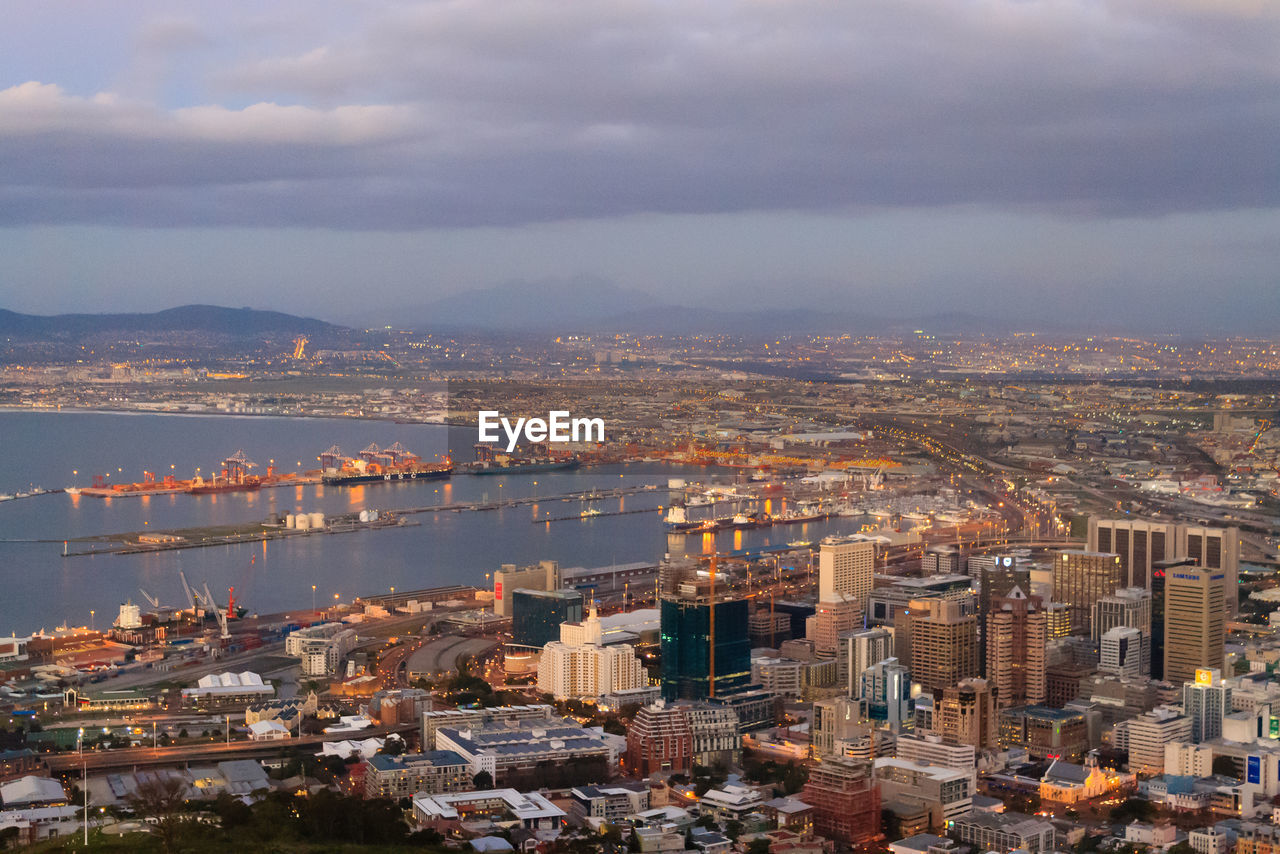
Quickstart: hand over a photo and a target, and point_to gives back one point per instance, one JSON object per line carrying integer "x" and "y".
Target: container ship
{"x": 488, "y": 462}
{"x": 379, "y": 465}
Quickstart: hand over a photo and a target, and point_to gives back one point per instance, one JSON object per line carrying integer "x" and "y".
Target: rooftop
{"x": 525, "y": 806}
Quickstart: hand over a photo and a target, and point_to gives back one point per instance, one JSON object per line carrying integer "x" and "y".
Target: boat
{"x": 435, "y": 471}
{"x": 678, "y": 522}
{"x": 379, "y": 465}
{"x": 4, "y": 496}
{"x": 521, "y": 466}
{"x": 72, "y": 490}
{"x": 747, "y": 520}
{"x": 800, "y": 544}
{"x": 589, "y": 512}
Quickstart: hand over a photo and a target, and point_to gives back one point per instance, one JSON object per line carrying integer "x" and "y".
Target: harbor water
{"x": 39, "y": 588}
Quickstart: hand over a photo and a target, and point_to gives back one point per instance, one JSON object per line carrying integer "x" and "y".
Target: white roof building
{"x": 531, "y": 809}
{"x": 230, "y": 684}
{"x": 268, "y": 731}
{"x": 346, "y": 749}
{"x": 32, "y": 791}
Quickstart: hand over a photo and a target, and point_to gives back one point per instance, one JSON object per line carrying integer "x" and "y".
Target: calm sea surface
{"x": 40, "y": 588}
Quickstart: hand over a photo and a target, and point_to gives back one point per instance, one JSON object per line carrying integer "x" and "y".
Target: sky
{"x": 1098, "y": 163}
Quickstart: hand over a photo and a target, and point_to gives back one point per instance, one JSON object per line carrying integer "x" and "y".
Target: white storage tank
{"x": 317, "y": 520}
{"x": 364, "y": 515}
{"x": 290, "y": 521}
{"x": 302, "y": 522}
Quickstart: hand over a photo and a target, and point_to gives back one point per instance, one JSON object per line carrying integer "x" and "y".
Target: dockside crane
{"x": 192, "y": 598}
{"x": 219, "y": 612}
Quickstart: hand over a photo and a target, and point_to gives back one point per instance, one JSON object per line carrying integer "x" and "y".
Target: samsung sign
{"x": 1253, "y": 770}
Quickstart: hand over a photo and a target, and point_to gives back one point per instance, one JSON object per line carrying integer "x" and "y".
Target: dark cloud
{"x": 469, "y": 112}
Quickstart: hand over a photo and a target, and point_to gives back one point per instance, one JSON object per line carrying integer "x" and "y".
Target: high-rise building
{"x": 840, "y": 727}
{"x": 1080, "y": 579}
{"x": 966, "y": 714}
{"x": 536, "y": 615}
{"x": 1122, "y": 652}
{"x": 1206, "y": 700}
{"x": 579, "y": 665}
{"x": 846, "y": 569}
{"x": 1195, "y": 622}
{"x": 769, "y": 628}
{"x": 860, "y": 650}
{"x": 1141, "y": 544}
{"x": 544, "y": 575}
{"x": 1045, "y": 732}
{"x": 886, "y": 688}
{"x": 886, "y": 604}
{"x": 706, "y": 646}
{"x": 845, "y": 800}
{"x": 834, "y": 617}
{"x": 1058, "y": 618}
{"x": 942, "y": 641}
{"x": 941, "y": 560}
{"x": 1017, "y": 634}
{"x": 1130, "y": 606}
{"x": 1217, "y": 549}
{"x": 1147, "y": 735}
{"x": 1138, "y": 543}
{"x": 995, "y": 576}
{"x": 659, "y": 741}
{"x": 1159, "y": 572}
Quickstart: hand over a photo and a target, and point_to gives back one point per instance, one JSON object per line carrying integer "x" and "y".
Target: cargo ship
{"x": 489, "y": 462}
{"x": 522, "y": 466}
{"x": 379, "y": 465}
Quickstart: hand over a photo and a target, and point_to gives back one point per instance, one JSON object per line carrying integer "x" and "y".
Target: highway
{"x": 127, "y": 758}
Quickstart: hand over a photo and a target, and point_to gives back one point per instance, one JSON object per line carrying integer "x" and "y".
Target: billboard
{"x": 1253, "y": 770}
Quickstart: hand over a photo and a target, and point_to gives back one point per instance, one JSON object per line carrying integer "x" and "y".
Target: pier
{"x": 146, "y": 542}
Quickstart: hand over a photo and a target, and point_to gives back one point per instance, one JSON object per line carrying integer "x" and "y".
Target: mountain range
{"x": 585, "y": 306}
{"x": 208, "y": 319}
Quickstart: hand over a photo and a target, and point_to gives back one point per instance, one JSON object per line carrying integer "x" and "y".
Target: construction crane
{"x": 155, "y": 603}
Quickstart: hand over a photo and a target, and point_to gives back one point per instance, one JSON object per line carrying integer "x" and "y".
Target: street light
{"x": 313, "y": 598}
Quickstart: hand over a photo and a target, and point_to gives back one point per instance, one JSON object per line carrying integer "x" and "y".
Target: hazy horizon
{"x": 1069, "y": 164}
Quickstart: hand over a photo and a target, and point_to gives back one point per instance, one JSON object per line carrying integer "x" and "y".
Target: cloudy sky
{"x": 1090, "y": 161}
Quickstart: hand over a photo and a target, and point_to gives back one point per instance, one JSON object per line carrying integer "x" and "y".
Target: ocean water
{"x": 39, "y": 588}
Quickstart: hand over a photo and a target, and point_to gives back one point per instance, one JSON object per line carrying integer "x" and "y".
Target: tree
{"x": 733, "y": 829}
{"x": 1133, "y": 809}
{"x": 393, "y": 746}
{"x": 161, "y": 799}
{"x": 758, "y": 846}
{"x": 633, "y": 841}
